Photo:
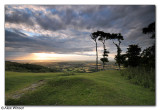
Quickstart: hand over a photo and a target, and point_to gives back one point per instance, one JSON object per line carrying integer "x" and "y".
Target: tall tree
{"x": 94, "y": 36}
{"x": 133, "y": 55}
{"x": 103, "y": 37}
{"x": 150, "y": 29}
{"x": 148, "y": 54}
{"x": 119, "y": 58}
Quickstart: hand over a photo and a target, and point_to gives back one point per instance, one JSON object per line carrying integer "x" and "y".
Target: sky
{"x": 62, "y": 32}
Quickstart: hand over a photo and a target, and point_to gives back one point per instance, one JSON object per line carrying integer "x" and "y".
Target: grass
{"x": 17, "y": 80}
{"x": 140, "y": 76}
{"x": 99, "y": 88}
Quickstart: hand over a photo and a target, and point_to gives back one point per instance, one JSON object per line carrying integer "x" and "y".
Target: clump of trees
{"x": 102, "y": 37}
{"x": 148, "y": 55}
{"x": 133, "y": 57}
{"x": 140, "y": 64}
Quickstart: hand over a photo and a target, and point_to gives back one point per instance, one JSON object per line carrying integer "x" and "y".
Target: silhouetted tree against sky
{"x": 148, "y": 54}
{"x": 124, "y": 60}
{"x": 148, "y": 57}
{"x": 94, "y": 36}
{"x": 103, "y": 37}
{"x": 133, "y": 55}
{"x": 150, "y": 30}
{"x": 105, "y": 59}
{"x": 119, "y": 58}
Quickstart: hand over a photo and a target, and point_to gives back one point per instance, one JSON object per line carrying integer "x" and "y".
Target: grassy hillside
{"x": 101, "y": 88}
{"x": 18, "y": 67}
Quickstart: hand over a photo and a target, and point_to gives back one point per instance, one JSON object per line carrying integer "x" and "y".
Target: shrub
{"x": 140, "y": 76}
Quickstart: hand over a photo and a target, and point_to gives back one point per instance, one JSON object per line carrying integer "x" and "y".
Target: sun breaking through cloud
{"x": 62, "y": 32}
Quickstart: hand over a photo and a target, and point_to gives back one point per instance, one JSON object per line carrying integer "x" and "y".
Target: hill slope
{"x": 101, "y": 88}
{"x": 18, "y": 67}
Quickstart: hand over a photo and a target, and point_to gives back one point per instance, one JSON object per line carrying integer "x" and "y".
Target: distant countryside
{"x": 62, "y": 55}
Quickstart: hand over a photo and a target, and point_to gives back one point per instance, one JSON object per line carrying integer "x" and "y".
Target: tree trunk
{"x": 96, "y": 58}
{"x": 118, "y": 54}
{"x": 103, "y": 53}
{"x": 104, "y": 47}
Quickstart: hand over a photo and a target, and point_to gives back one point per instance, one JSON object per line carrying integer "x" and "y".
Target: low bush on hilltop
{"x": 140, "y": 76}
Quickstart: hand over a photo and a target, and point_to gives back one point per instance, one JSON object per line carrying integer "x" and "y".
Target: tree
{"x": 94, "y": 36}
{"x": 105, "y": 59}
{"x": 133, "y": 55}
{"x": 103, "y": 37}
{"x": 119, "y": 58}
{"x": 150, "y": 30}
{"x": 124, "y": 60}
{"x": 148, "y": 54}
{"x": 148, "y": 57}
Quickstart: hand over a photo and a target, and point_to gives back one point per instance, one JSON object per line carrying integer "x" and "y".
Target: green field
{"x": 99, "y": 88}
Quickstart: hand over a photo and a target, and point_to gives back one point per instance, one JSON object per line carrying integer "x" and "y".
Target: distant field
{"x": 99, "y": 88}
{"x": 42, "y": 67}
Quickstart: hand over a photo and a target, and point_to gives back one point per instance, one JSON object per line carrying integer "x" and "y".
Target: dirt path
{"x": 32, "y": 87}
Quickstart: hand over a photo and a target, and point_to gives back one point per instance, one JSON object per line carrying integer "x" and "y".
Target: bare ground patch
{"x": 32, "y": 87}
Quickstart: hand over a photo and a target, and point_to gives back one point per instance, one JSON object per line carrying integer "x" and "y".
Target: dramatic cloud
{"x": 66, "y": 29}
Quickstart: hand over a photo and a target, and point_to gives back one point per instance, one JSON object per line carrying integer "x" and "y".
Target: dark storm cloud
{"x": 86, "y": 17}
{"x": 77, "y": 22}
{"x": 22, "y": 42}
{"x": 18, "y": 16}
{"x": 49, "y": 23}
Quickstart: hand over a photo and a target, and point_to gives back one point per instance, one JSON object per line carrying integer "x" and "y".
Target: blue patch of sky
{"x": 86, "y": 16}
{"x": 9, "y": 29}
{"x": 9, "y": 6}
{"x": 28, "y": 11}
{"x": 62, "y": 13}
{"x": 53, "y": 10}
{"x": 75, "y": 14}
{"x": 104, "y": 13}
{"x": 41, "y": 13}
{"x": 30, "y": 34}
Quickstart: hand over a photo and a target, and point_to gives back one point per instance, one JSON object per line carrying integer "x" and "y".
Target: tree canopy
{"x": 150, "y": 29}
{"x": 133, "y": 55}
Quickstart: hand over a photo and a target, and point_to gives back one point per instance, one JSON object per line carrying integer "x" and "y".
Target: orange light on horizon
{"x": 57, "y": 57}
{"x": 49, "y": 56}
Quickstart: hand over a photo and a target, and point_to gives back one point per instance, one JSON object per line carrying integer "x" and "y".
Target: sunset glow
{"x": 51, "y": 56}
{"x": 79, "y": 54}
{"x": 45, "y": 56}
{"x": 61, "y": 32}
